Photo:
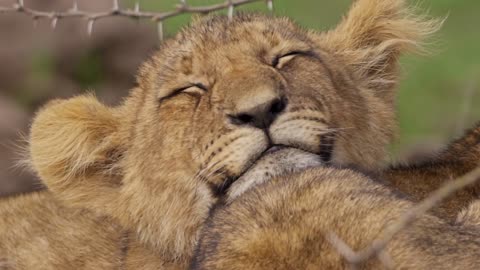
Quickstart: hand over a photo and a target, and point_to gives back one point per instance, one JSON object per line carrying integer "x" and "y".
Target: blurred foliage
{"x": 89, "y": 71}
{"x": 42, "y": 70}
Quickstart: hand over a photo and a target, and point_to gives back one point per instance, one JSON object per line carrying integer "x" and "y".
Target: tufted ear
{"x": 75, "y": 146}
{"x": 372, "y": 37}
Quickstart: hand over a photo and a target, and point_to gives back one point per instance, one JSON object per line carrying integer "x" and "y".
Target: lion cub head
{"x": 212, "y": 101}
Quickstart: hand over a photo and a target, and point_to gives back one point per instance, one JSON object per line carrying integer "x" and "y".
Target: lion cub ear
{"x": 372, "y": 37}
{"x": 74, "y": 147}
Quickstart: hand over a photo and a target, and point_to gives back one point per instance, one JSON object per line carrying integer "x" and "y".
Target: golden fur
{"x": 284, "y": 223}
{"x": 207, "y": 106}
{"x": 420, "y": 179}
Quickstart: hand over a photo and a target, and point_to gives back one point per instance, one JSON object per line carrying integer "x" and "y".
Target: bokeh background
{"x": 438, "y": 97}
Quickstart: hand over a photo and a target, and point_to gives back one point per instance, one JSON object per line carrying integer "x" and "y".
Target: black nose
{"x": 261, "y": 116}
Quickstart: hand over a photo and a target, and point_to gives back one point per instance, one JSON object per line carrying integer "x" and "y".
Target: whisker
{"x": 215, "y": 170}
{"x": 231, "y": 136}
{"x": 199, "y": 174}
{"x": 337, "y": 129}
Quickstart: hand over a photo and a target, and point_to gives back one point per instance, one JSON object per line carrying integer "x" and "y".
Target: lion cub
{"x": 283, "y": 222}
{"x": 131, "y": 186}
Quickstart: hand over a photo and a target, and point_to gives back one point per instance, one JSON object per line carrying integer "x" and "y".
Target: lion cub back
{"x": 37, "y": 233}
{"x": 284, "y": 224}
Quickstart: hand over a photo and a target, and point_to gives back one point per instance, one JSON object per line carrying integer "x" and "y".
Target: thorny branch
{"x": 376, "y": 249}
{"x": 158, "y": 17}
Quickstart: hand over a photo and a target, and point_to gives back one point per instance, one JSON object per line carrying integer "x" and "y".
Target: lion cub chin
{"x": 277, "y": 161}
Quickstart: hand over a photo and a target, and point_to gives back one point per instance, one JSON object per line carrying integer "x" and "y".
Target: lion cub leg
{"x": 459, "y": 158}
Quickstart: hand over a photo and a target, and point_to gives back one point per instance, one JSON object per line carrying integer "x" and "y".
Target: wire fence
{"x": 354, "y": 258}
{"x": 136, "y": 13}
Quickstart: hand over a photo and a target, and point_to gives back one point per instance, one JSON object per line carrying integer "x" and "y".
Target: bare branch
{"x": 231, "y": 8}
{"x": 343, "y": 248}
{"x": 137, "y": 7}
{"x": 116, "y": 11}
{"x": 270, "y": 5}
{"x": 90, "y": 24}
{"x": 376, "y": 249}
{"x": 160, "y": 30}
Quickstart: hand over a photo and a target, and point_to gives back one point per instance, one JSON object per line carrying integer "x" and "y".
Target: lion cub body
{"x": 39, "y": 232}
{"x": 133, "y": 185}
{"x": 63, "y": 238}
{"x": 284, "y": 223}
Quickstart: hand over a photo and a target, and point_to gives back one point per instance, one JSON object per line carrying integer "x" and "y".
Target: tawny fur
{"x": 155, "y": 165}
{"x": 470, "y": 216}
{"x": 419, "y": 180}
{"x": 284, "y": 224}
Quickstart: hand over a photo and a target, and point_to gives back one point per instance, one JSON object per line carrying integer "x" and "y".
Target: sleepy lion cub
{"x": 130, "y": 187}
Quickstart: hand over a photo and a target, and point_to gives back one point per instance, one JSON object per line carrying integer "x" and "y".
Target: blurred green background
{"x": 438, "y": 97}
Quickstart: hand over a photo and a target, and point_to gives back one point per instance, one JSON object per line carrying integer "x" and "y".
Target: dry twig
{"x": 376, "y": 249}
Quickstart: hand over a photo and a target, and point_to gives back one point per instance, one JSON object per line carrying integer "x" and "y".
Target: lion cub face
{"x": 223, "y": 92}
{"x": 212, "y": 102}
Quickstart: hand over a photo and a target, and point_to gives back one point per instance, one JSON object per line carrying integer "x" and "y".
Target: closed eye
{"x": 191, "y": 89}
{"x": 280, "y": 60}
{"x": 194, "y": 87}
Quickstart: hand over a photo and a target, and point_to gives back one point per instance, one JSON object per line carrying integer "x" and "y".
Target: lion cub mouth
{"x": 276, "y": 161}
